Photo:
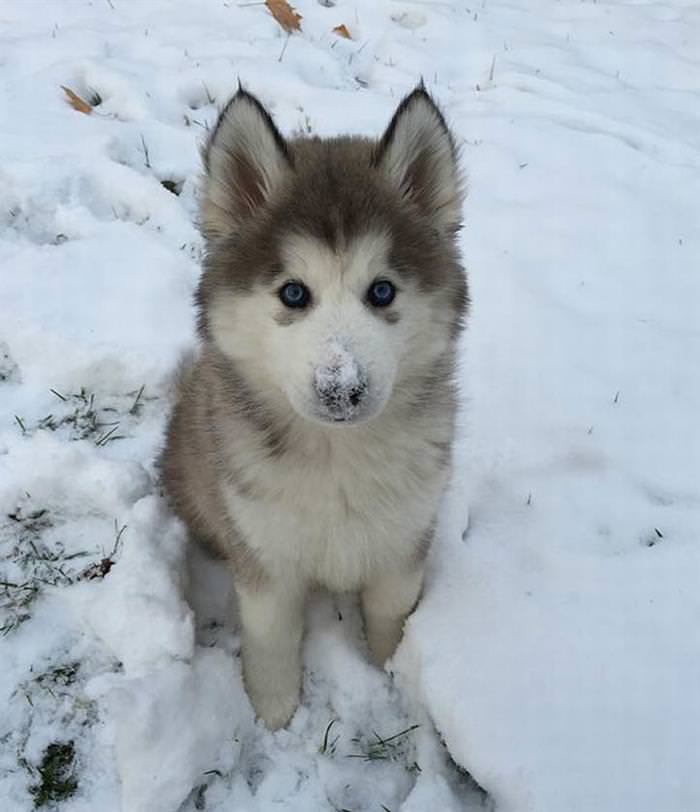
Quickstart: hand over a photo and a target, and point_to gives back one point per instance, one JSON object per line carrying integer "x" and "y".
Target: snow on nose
{"x": 340, "y": 383}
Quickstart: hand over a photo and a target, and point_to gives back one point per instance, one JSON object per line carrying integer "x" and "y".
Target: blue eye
{"x": 381, "y": 293}
{"x": 294, "y": 294}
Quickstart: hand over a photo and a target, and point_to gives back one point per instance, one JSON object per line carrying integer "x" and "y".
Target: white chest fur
{"x": 340, "y": 510}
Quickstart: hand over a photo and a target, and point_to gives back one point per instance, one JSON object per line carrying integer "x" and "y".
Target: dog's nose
{"x": 340, "y": 388}
{"x": 334, "y": 394}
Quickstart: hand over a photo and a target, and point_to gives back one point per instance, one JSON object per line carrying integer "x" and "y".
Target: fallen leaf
{"x": 76, "y": 102}
{"x": 285, "y": 15}
{"x": 342, "y": 31}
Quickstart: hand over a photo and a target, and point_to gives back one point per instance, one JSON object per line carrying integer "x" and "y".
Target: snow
{"x": 557, "y": 648}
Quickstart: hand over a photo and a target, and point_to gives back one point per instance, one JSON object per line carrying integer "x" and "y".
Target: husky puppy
{"x": 310, "y": 442}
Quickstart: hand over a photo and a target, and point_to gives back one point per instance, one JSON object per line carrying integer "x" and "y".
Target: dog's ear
{"x": 418, "y": 154}
{"x": 245, "y": 161}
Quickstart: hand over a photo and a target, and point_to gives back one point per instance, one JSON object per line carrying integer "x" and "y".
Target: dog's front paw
{"x": 274, "y": 709}
{"x": 273, "y": 683}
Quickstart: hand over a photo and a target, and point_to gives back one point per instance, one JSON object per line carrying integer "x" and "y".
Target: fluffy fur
{"x": 291, "y": 492}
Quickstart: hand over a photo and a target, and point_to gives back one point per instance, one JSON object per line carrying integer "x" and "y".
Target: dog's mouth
{"x": 344, "y": 419}
{"x": 347, "y": 421}
{"x": 352, "y": 416}
{"x": 337, "y": 421}
{"x": 341, "y": 412}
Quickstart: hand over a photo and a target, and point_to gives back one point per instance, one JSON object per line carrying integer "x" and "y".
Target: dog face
{"x": 331, "y": 278}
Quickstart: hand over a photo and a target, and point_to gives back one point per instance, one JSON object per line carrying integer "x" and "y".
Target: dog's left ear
{"x": 418, "y": 154}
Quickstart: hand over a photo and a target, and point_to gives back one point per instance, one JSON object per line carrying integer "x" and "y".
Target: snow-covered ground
{"x": 556, "y": 652}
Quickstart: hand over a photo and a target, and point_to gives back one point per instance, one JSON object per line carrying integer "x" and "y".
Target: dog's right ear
{"x": 245, "y": 160}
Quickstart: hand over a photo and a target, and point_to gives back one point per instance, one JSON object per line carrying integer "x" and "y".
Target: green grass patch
{"x": 384, "y": 748}
{"x": 57, "y": 781}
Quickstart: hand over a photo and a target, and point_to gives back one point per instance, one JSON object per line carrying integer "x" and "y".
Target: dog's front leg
{"x": 272, "y": 619}
{"x": 386, "y": 601}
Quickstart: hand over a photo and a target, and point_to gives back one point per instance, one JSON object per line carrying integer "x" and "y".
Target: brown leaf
{"x": 342, "y": 31}
{"x": 285, "y": 15}
{"x": 75, "y": 101}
